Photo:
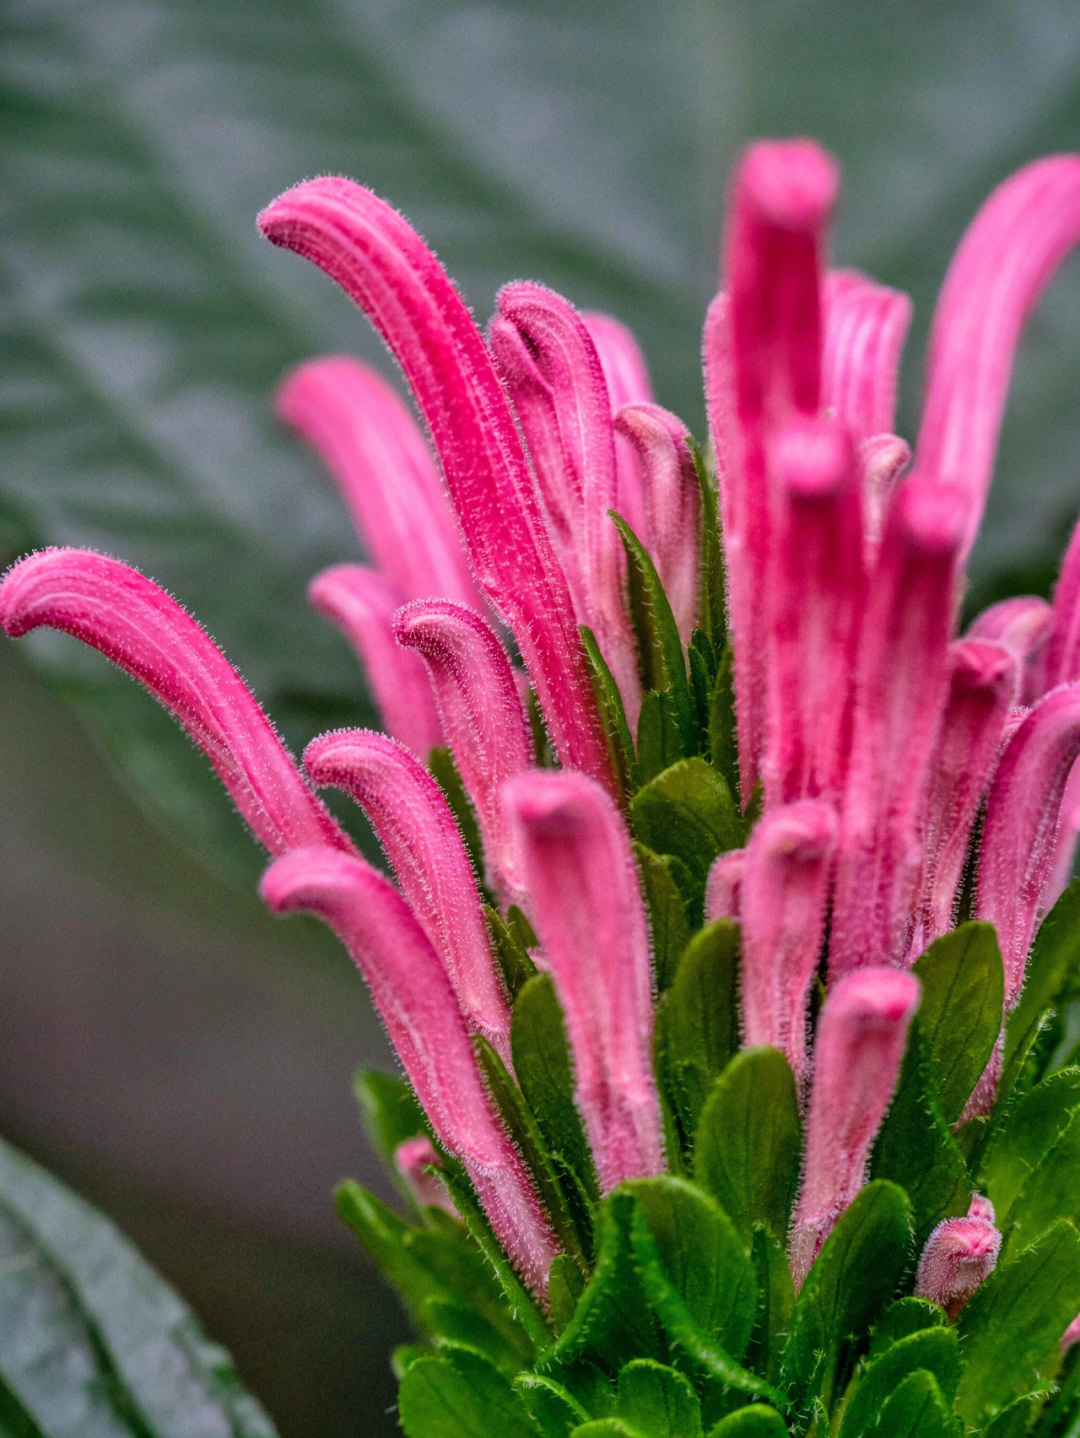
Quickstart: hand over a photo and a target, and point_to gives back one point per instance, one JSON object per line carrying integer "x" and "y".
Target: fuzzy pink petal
{"x": 419, "y": 834}
{"x": 814, "y": 603}
{"x": 723, "y": 890}
{"x": 763, "y": 348}
{"x": 553, "y": 375}
{"x": 628, "y": 383}
{"x": 482, "y": 717}
{"x": 1071, "y": 1336}
{"x": 380, "y": 261}
{"x": 900, "y": 691}
{"x": 362, "y": 604}
{"x": 380, "y": 460}
{"x": 865, "y": 327}
{"x": 1020, "y": 831}
{"x": 958, "y": 1258}
{"x": 860, "y": 1043}
{"x": 417, "y": 1004}
{"x": 585, "y": 905}
{"x": 671, "y": 503}
{"x": 1010, "y": 252}
{"x": 782, "y": 909}
{"x": 983, "y": 680}
{"x": 1024, "y": 625}
{"x": 133, "y": 622}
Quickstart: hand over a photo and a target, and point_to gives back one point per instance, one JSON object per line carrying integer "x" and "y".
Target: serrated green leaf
{"x": 92, "y": 1341}
{"x": 459, "y": 1394}
{"x": 660, "y": 738}
{"x": 613, "y": 1321}
{"x": 660, "y": 651}
{"x": 1055, "y": 958}
{"x": 607, "y": 1428}
{"x": 918, "y": 1410}
{"x": 916, "y": 1148}
{"x": 963, "y": 986}
{"x": 668, "y": 927}
{"x": 612, "y": 714}
{"x": 697, "y": 1274}
{"x": 749, "y": 1141}
{"x": 1014, "y": 1421}
{"x": 549, "y": 1404}
{"x": 526, "y": 1136}
{"x": 658, "y": 1400}
{"x": 1052, "y": 1192}
{"x": 932, "y": 1350}
{"x": 1027, "y": 1133}
{"x": 514, "y": 961}
{"x": 902, "y": 1318}
{"x": 776, "y": 1299}
{"x": 389, "y": 1111}
{"x": 542, "y": 1066}
{"x": 431, "y": 1267}
{"x": 687, "y": 811}
{"x": 697, "y": 1021}
{"x": 444, "y": 770}
{"x": 757, "y": 1420}
{"x": 856, "y": 1273}
{"x": 723, "y": 737}
{"x": 1014, "y": 1322}
{"x": 713, "y": 575}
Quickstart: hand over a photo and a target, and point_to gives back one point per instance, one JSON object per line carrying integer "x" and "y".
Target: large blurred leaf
{"x": 144, "y": 322}
{"x": 92, "y": 1341}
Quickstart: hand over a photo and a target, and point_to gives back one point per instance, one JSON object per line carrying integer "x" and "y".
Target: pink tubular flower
{"x": 381, "y": 463}
{"x": 857, "y": 1052}
{"x": 114, "y": 609}
{"x": 723, "y": 889}
{"x": 865, "y": 327}
{"x": 481, "y": 714}
{"x": 585, "y": 904}
{"x": 416, "y": 1003}
{"x": 1071, "y": 1336}
{"x": 782, "y": 907}
{"x": 420, "y": 837}
{"x": 362, "y": 604}
{"x": 387, "y": 269}
{"x": 958, "y": 1257}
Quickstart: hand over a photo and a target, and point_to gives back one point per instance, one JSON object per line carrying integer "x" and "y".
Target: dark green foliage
{"x": 696, "y": 1031}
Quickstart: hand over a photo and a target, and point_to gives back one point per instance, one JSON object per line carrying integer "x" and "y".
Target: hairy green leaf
{"x": 963, "y": 986}
{"x": 697, "y": 1021}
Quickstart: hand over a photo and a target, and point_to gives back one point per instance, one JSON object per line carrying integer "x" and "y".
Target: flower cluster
{"x": 731, "y": 780}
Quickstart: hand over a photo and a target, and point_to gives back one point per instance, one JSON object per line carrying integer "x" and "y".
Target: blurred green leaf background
{"x": 162, "y": 1044}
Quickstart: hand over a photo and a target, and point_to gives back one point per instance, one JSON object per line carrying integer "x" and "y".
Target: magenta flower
{"x": 501, "y": 598}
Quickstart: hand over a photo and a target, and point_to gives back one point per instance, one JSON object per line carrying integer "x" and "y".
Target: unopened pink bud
{"x": 1023, "y": 625}
{"x": 362, "y": 604}
{"x": 1071, "y": 1336}
{"x": 958, "y": 1257}
{"x": 884, "y": 459}
{"x": 981, "y": 1208}
{"x": 782, "y": 909}
{"x": 628, "y": 383}
{"x": 414, "y": 1158}
{"x": 585, "y": 904}
{"x": 858, "y": 1049}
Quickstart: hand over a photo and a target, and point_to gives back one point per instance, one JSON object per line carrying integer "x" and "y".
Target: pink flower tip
{"x": 815, "y": 456}
{"x": 1071, "y": 1336}
{"x": 958, "y": 1257}
{"x": 793, "y": 183}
